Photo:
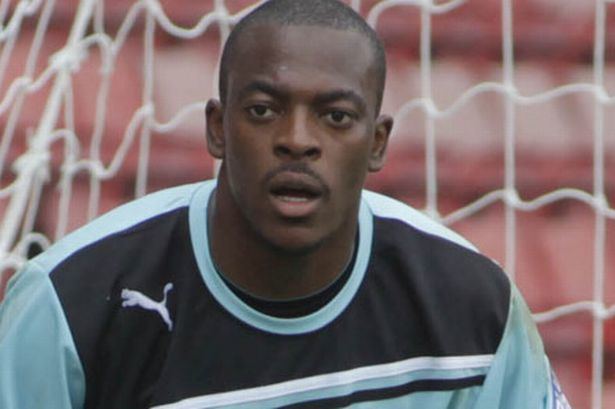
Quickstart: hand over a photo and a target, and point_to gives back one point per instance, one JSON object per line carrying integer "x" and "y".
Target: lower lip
{"x": 293, "y": 207}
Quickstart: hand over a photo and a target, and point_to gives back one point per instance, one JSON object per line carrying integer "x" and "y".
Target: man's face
{"x": 298, "y": 132}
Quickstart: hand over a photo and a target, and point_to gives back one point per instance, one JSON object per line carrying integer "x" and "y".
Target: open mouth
{"x": 295, "y": 195}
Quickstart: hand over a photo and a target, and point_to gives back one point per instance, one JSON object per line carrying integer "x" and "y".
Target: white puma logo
{"x": 136, "y": 299}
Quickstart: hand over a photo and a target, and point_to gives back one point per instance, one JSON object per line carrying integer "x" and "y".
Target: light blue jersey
{"x": 130, "y": 312}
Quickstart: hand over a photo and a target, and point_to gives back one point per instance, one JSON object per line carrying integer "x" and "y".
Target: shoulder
{"x": 389, "y": 208}
{"x": 412, "y": 236}
{"x": 460, "y": 289}
{"x": 130, "y": 216}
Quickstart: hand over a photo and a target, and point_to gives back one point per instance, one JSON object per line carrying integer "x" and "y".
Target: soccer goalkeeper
{"x": 282, "y": 283}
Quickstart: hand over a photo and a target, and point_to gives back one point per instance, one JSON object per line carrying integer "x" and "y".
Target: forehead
{"x": 305, "y": 58}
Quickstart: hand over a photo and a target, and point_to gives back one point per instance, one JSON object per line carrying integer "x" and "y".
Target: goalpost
{"x": 27, "y": 171}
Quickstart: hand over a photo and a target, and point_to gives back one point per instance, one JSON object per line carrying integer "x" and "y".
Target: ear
{"x": 214, "y": 118}
{"x": 382, "y": 131}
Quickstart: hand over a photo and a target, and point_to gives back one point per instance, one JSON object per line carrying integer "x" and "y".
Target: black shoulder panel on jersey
{"x": 457, "y": 299}
{"x": 89, "y": 283}
{"x": 421, "y": 296}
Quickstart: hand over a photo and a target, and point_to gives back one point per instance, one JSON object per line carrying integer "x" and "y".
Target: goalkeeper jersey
{"x": 130, "y": 312}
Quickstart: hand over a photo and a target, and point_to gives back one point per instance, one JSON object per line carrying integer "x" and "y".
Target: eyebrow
{"x": 264, "y": 87}
{"x": 320, "y": 99}
{"x": 342, "y": 94}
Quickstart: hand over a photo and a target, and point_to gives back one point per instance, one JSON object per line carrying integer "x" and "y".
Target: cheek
{"x": 353, "y": 163}
{"x": 350, "y": 169}
{"x": 247, "y": 160}
{"x": 356, "y": 175}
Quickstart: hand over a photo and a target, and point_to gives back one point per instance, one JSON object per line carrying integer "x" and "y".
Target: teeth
{"x": 295, "y": 199}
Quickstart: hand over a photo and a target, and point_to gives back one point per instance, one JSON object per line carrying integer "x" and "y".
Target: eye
{"x": 339, "y": 119}
{"x": 260, "y": 111}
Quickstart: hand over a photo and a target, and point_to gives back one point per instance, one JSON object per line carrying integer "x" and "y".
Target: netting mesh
{"x": 53, "y": 151}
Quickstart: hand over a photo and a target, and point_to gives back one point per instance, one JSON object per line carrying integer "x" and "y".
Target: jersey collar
{"x": 234, "y": 305}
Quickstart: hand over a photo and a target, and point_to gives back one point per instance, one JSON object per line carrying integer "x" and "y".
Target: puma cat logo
{"x": 136, "y": 299}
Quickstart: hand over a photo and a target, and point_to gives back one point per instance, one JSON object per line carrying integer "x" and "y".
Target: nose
{"x": 298, "y": 140}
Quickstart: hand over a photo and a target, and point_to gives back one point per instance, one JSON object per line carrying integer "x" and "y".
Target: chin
{"x": 294, "y": 241}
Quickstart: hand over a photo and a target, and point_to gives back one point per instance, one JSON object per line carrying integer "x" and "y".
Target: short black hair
{"x": 321, "y": 13}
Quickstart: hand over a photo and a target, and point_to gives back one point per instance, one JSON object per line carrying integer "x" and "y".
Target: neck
{"x": 250, "y": 262}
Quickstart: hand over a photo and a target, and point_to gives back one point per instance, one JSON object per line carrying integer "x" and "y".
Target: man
{"x": 282, "y": 284}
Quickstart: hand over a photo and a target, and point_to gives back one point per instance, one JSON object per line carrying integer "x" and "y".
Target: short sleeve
{"x": 39, "y": 365}
{"x": 520, "y": 375}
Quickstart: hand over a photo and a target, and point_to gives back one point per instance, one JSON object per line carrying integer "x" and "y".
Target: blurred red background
{"x": 554, "y": 142}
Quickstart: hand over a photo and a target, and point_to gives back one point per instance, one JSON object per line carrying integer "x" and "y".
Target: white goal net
{"x": 103, "y": 101}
